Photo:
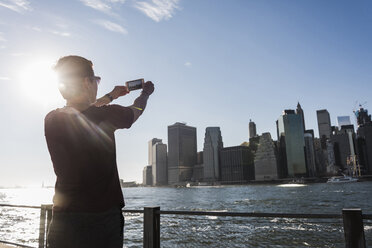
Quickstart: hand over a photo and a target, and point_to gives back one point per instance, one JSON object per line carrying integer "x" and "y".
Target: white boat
{"x": 344, "y": 179}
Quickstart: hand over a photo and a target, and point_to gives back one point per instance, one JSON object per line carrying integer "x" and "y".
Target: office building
{"x": 364, "y": 139}
{"x": 252, "y": 129}
{"x": 147, "y": 175}
{"x": 343, "y": 121}
{"x": 325, "y": 159}
{"x": 159, "y": 164}
{"x": 310, "y": 153}
{"x": 182, "y": 151}
{"x": 291, "y": 138}
{"x": 150, "y": 144}
{"x": 265, "y": 161}
{"x": 344, "y": 146}
{"x": 211, "y": 153}
{"x": 198, "y": 172}
{"x": 324, "y": 126}
{"x": 237, "y": 164}
{"x": 300, "y": 112}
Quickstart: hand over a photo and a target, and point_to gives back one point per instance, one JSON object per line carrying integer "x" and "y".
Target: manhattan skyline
{"x": 212, "y": 63}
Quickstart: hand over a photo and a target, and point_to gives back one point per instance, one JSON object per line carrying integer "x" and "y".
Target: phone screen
{"x": 135, "y": 84}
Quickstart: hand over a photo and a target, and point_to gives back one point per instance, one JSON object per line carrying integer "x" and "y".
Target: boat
{"x": 344, "y": 179}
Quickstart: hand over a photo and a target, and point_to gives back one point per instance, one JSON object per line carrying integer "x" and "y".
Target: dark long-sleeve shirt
{"x": 82, "y": 149}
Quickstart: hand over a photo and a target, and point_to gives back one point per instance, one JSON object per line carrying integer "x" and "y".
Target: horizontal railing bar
{"x": 132, "y": 211}
{"x": 19, "y": 206}
{"x": 226, "y": 214}
{"x": 269, "y": 215}
{"x": 19, "y": 245}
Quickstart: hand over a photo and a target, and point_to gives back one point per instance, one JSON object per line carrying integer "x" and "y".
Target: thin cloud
{"x": 116, "y": 1}
{"x": 16, "y": 5}
{"x": 97, "y": 5}
{"x": 4, "y": 78}
{"x": 188, "y": 64}
{"x": 104, "y": 6}
{"x": 111, "y": 26}
{"x": 37, "y": 29}
{"x": 63, "y": 34}
{"x": 158, "y": 10}
{"x": 2, "y": 47}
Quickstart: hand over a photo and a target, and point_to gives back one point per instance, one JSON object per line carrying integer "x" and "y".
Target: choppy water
{"x": 21, "y": 225}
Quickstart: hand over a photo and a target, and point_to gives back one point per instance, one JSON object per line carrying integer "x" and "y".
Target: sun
{"x": 38, "y": 82}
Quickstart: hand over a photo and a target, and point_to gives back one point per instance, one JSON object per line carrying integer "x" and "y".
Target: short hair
{"x": 71, "y": 70}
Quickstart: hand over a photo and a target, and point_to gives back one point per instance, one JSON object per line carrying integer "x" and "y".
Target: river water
{"x": 21, "y": 225}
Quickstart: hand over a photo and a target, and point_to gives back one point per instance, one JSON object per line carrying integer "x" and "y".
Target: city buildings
{"x": 296, "y": 153}
{"x": 252, "y": 129}
{"x": 290, "y": 132}
{"x": 182, "y": 152}
{"x": 237, "y": 164}
{"x": 265, "y": 161}
{"x": 211, "y": 159}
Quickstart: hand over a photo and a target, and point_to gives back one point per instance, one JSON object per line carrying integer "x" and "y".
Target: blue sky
{"x": 214, "y": 63}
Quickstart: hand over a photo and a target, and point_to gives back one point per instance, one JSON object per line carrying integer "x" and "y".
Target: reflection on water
{"x": 291, "y": 185}
{"x": 21, "y": 225}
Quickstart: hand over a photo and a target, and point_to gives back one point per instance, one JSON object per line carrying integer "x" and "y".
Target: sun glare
{"x": 39, "y": 82}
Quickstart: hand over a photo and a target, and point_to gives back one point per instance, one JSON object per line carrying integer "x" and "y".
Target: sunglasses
{"x": 95, "y": 79}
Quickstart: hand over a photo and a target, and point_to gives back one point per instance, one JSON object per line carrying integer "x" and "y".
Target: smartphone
{"x": 135, "y": 84}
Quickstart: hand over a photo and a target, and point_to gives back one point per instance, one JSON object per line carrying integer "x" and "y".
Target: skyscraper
{"x": 151, "y": 143}
{"x": 291, "y": 138}
{"x": 343, "y": 121}
{"x": 324, "y": 123}
{"x": 182, "y": 150}
{"x": 344, "y": 145}
{"x": 159, "y": 164}
{"x": 364, "y": 140}
{"x": 147, "y": 175}
{"x": 324, "y": 126}
{"x": 265, "y": 160}
{"x": 310, "y": 153}
{"x": 211, "y": 153}
{"x": 300, "y": 112}
{"x": 252, "y": 129}
{"x": 237, "y": 164}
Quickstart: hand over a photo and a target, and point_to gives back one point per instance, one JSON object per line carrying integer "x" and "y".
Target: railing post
{"x": 353, "y": 228}
{"x": 42, "y": 227}
{"x": 49, "y": 219}
{"x": 151, "y": 227}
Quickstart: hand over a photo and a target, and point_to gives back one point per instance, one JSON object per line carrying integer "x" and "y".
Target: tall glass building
{"x": 291, "y": 138}
{"x": 211, "y": 153}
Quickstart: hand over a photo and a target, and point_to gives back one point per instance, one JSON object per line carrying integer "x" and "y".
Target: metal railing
{"x": 352, "y": 222}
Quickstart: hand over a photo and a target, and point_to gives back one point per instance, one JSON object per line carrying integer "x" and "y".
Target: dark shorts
{"x": 93, "y": 230}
